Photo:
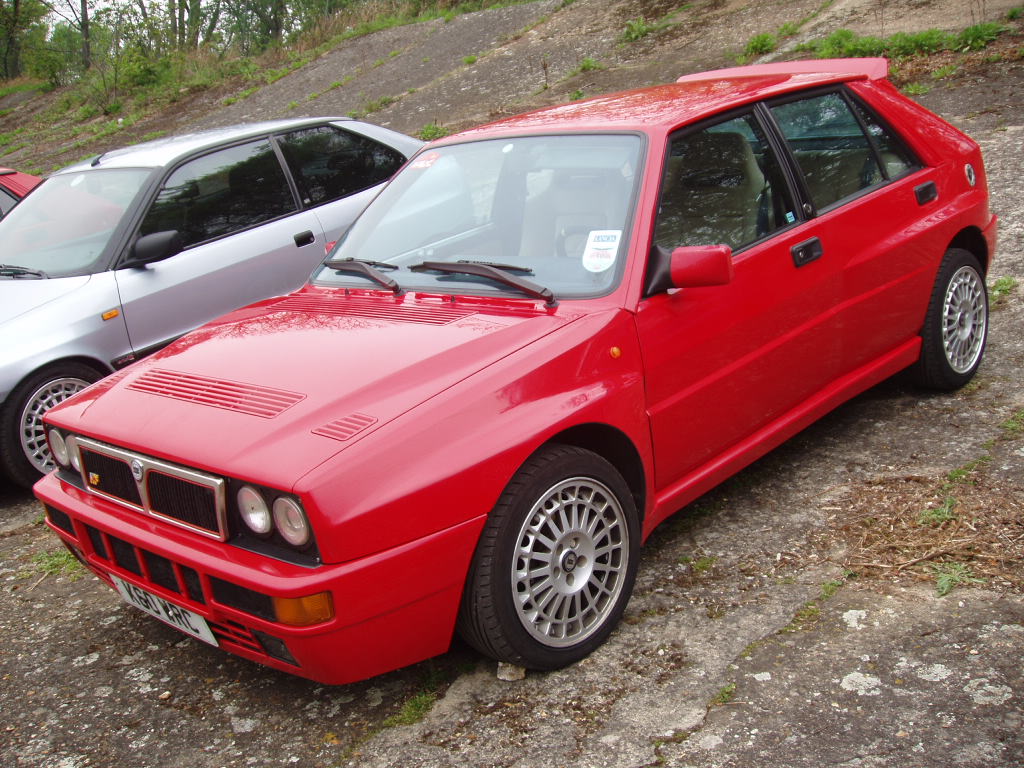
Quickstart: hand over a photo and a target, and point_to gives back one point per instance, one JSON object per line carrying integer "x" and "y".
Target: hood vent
{"x": 251, "y": 399}
{"x": 346, "y": 428}
{"x": 381, "y": 309}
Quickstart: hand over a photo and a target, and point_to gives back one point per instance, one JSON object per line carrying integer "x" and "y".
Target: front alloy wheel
{"x": 555, "y": 564}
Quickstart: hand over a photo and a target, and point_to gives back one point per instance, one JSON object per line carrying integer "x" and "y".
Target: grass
{"x": 1000, "y": 291}
{"x": 725, "y": 695}
{"x": 413, "y": 710}
{"x": 949, "y": 576}
{"x": 432, "y": 131}
{"x": 938, "y": 515}
{"x": 844, "y": 43}
{"x": 57, "y": 563}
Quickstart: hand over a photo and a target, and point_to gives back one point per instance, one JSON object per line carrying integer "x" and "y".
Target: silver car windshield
{"x": 551, "y": 210}
{"x": 64, "y": 226}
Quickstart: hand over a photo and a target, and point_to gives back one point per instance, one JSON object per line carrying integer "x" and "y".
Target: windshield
{"x": 552, "y": 210}
{"x": 63, "y": 227}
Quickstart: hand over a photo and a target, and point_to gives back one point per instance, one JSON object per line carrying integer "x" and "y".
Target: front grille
{"x": 110, "y": 476}
{"x": 172, "y": 497}
{"x": 179, "y": 495}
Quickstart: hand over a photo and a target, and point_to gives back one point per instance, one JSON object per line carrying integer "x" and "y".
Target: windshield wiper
{"x": 366, "y": 268}
{"x": 498, "y": 273}
{"x": 496, "y": 265}
{"x": 12, "y": 270}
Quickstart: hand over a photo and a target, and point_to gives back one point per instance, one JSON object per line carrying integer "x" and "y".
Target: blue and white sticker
{"x": 601, "y": 250}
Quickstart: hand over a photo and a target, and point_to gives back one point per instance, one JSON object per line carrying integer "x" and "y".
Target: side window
{"x": 7, "y": 201}
{"x": 329, "y": 163}
{"x": 832, "y": 150}
{"x": 722, "y": 185}
{"x": 895, "y": 158}
{"x": 221, "y": 193}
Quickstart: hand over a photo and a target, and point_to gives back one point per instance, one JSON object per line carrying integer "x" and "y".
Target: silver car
{"x": 117, "y": 256}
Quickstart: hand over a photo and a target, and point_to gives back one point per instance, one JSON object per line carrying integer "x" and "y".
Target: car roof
{"x": 662, "y": 108}
{"x": 168, "y": 150}
{"x": 19, "y": 183}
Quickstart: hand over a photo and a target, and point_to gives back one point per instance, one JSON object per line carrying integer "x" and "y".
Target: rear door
{"x": 860, "y": 182}
{"x": 245, "y": 239}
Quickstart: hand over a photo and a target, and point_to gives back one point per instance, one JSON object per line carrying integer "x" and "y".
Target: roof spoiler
{"x": 872, "y": 69}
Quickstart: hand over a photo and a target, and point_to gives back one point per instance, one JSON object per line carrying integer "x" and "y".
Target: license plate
{"x": 180, "y": 618}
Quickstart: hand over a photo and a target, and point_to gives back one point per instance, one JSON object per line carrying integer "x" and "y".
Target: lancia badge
{"x": 137, "y": 470}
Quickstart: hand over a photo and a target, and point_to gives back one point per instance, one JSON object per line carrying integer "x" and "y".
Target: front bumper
{"x": 392, "y": 608}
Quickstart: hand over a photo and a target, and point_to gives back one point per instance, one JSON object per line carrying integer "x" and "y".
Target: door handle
{"x": 926, "y": 192}
{"x": 304, "y": 238}
{"x": 807, "y": 251}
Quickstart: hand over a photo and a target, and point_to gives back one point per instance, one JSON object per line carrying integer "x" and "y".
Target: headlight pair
{"x": 62, "y": 453}
{"x": 285, "y": 514}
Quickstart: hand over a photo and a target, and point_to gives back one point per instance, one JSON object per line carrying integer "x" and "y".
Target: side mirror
{"x": 701, "y": 265}
{"x": 156, "y": 246}
{"x": 692, "y": 266}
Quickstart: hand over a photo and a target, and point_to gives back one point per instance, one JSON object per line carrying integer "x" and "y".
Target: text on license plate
{"x": 181, "y": 618}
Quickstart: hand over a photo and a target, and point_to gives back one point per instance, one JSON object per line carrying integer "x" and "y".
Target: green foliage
{"x": 761, "y": 44}
{"x": 1015, "y": 13}
{"x": 588, "y": 64}
{"x": 637, "y": 29}
{"x": 916, "y": 89}
{"x": 945, "y": 71}
{"x": 576, "y": 95}
{"x": 938, "y": 515}
{"x": 414, "y": 709}
{"x": 725, "y": 695}
{"x": 949, "y": 576}
{"x": 843, "y": 43}
{"x": 978, "y": 36}
{"x": 469, "y": 60}
{"x": 432, "y": 131}
{"x": 1014, "y": 426}
{"x": 57, "y": 563}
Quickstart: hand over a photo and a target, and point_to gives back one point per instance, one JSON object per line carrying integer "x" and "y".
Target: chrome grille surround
{"x": 139, "y": 467}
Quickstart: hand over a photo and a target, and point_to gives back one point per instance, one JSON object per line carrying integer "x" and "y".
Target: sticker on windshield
{"x": 602, "y": 247}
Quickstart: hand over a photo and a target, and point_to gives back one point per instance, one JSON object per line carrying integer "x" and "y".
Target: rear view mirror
{"x": 156, "y": 246}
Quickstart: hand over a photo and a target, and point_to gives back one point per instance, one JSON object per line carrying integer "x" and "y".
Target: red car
{"x": 544, "y": 337}
{"x": 13, "y": 187}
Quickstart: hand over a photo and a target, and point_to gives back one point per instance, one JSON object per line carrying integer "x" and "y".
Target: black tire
{"x": 956, "y": 324}
{"x": 585, "y": 562}
{"x": 24, "y": 455}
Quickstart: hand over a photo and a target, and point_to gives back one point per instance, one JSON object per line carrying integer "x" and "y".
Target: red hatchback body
{"x": 543, "y": 338}
{"x": 14, "y": 185}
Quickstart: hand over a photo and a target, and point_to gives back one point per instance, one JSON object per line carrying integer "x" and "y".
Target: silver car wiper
{"x": 499, "y": 273}
{"x": 12, "y": 270}
{"x": 366, "y": 268}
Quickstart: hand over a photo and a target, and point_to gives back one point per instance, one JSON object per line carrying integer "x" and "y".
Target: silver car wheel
{"x": 964, "y": 319}
{"x": 571, "y": 559}
{"x": 32, "y": 432}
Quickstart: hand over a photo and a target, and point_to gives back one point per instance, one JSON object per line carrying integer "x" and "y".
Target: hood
{"x": 273, "y": 390}
{"x": 21, "y": 295}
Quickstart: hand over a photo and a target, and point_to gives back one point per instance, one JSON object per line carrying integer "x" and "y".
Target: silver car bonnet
{"x": 21, "y": 295}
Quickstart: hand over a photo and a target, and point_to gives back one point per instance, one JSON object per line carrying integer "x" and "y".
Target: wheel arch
{"x": 971, "y": 239}
{"x": 616, "y": 448}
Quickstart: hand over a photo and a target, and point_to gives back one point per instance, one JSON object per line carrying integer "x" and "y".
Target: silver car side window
{"x": 221, "y": 193}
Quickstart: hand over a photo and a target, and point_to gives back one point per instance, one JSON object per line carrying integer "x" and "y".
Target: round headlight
{"x": 291, "y": 521}
{"x": 59, "y": 448}
{"x": 254, "y": 510}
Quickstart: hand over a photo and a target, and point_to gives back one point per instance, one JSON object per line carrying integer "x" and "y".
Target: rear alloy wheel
{"x": 26, "y": 456}
{"x": 556, "y": 562}
{"x": 956, "y": 324}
